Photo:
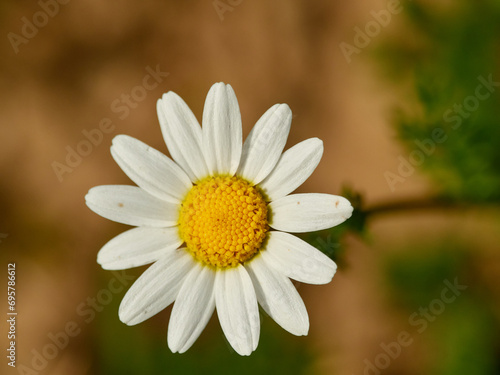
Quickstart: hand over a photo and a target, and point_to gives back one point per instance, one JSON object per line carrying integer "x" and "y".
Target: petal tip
{"x": 218, "y": 85}
{"x": 174, "y": 349}
{"x": 283, "y": 108}
{"x": 173, "y": 344}
{"x": 319, "y": 142}
{"x": 244, "y": 353}
{"x": 89, "y": 195}
{"x": 333, "y": 273}
{"x": 166, "y": 97}
{"x": 123, "y": 316}
{"x": 349, "y": 209}
{"x": 119, "y": 138}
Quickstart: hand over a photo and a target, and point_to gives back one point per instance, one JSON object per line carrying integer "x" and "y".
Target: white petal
{"x": 297, "y": 259}
{"x": 137, "y": 247}
{"x": 156, "y": 288}
{"x": 237, "y": 309}
{"x": 222, "y": 142}
{"x": 293, "y": 168}
{"x": 278, "y": 297}
{"x": 265, "y": 143}
{"x": 131, "y": 205}
{"x": 150, "y": 169}
{"x": 182, "y": 134}
{"x": 309, "y": 212}
{"x": 192, "y": 310}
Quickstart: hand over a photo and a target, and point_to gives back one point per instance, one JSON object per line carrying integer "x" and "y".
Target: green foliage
{"x": 467, "y": 340}
{"x": 448, "y": 52}
{"x": 444, "y": 53}
{"x": 413, "y": 279}
{"x": 462, "y": 338}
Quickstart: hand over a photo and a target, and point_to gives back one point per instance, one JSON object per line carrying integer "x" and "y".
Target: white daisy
{"x": 215, "y": 222}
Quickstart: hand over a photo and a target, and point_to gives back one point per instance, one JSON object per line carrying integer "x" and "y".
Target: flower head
{"x": 215, "y": 222}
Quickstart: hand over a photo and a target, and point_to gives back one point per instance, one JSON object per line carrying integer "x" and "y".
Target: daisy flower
{"x": 216, "y": 221}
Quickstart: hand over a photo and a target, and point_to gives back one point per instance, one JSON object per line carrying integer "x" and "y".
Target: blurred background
{"x": 405, "y": 96}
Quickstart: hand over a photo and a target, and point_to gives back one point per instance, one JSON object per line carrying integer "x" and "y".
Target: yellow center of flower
{"x": 223, "y": 221}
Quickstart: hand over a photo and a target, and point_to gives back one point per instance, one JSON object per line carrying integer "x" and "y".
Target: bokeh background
{"x": 391, "y": 87}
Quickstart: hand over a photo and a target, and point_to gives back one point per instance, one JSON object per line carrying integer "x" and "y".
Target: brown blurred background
{"x": 65, "y": 79}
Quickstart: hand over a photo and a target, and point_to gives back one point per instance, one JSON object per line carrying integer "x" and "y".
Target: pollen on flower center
{"x": 223, "y": 221}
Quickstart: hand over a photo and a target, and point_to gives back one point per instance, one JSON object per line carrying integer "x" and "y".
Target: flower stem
{"x": 415, "y": 205}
